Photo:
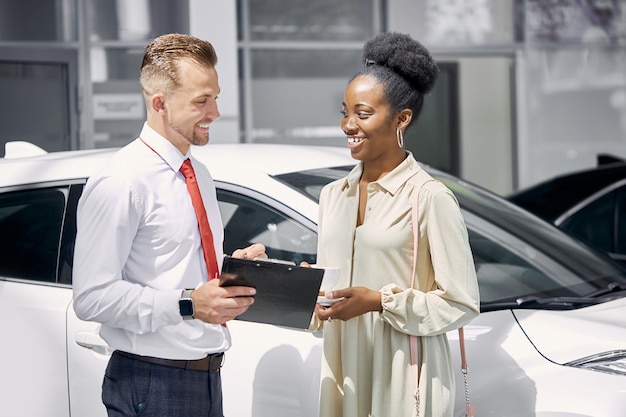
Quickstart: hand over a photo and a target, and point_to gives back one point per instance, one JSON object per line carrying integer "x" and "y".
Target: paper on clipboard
{"x": 286, "y": 294}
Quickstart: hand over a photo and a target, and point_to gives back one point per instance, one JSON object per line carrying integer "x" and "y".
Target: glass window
{"x": 458, "y": 23}
{"x": 594, "y": 223}
{"x": 118, "y": 34}
{"x": 503, "y": 275}
{"x": 574, "y": 21}
{"x": 21, "y": 81}
{"x": 31, "y": 229}
{"x": 293, "y": 81}
{"x": 574, "y": 109}
{"x": 136, "y": 20}
{"x": 311, "y": 182}
{"x": 293, "y": 63}
{"x": 305, "y": 90}
{"x": 321, "y": 20}
{"x": 118, "y": 106}
{"x": 620, "y": 228}
{"x": 116, "y": 64}
{"x": 66, "y": 254}
{"x": 38, "y": 20}
{"x": 434, "y": 137}
{"x": 247, "y": 221}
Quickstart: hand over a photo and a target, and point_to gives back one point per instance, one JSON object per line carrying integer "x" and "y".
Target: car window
{"x": 311, "y": 182}
{"x": 509, "y": 268}
{"x": 621, "y": 223}
{"x": 31, "y": 222}
{"x": 503, "y": 275}
{"x": 66, "y": 255}
{"x": 247, "y": 221}
{"x": 594, "y": 223}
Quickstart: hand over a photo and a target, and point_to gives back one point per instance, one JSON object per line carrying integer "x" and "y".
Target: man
{"x": 142, "y": 257}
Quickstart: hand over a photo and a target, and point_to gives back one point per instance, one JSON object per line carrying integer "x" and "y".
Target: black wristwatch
{"x": 185, "y": 304}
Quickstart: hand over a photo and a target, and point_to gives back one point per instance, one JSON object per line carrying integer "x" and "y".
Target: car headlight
{"x": 613, "y": 362}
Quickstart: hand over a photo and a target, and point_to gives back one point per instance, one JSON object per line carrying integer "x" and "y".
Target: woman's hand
{"x": 356, "y": 301}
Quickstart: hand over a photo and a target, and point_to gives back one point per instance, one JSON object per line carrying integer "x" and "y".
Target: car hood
{"x": 564, "y": 336}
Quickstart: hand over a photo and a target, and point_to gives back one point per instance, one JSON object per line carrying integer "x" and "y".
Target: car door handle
{"x": 90, "y": 340}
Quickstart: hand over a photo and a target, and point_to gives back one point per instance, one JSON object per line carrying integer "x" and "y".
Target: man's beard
{"x": 192, "y": 138}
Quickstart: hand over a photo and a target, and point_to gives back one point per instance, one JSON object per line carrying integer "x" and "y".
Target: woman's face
{"x": 369, "y": 128}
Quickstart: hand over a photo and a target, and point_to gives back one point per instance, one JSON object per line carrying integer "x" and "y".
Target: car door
{"x": 270, "y": 370}
{"x": 87, "y": 353}
{"x": 33, "y": 356}
{"x": 600, "y": 222}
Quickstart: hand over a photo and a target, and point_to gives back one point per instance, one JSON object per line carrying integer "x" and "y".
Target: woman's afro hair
{"x": 405, "y": 56}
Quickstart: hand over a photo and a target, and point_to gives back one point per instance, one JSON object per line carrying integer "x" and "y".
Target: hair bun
{"x": 405, "y": 56}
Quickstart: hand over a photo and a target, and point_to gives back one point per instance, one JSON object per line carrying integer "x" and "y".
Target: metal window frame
{"x": 245, "y": 46}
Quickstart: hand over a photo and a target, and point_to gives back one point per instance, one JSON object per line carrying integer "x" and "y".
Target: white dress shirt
{"x": 138, "y": 246}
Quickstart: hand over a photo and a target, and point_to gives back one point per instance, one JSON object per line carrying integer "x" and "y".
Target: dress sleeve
{"x": 447, "y": 295}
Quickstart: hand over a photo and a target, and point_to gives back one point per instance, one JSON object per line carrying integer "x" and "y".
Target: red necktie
{"x": 203, "y": 222}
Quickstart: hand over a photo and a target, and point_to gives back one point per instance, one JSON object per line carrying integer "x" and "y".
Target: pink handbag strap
{"x": 470, "y": 411}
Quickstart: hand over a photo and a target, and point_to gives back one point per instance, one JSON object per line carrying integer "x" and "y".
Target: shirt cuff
{"x": 166, "y": 308}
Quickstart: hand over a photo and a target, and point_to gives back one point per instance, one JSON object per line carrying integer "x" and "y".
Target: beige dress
{"x": 366, "y": 369}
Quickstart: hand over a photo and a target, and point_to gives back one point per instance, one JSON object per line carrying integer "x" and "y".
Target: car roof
{"x": 219, "y": 158}
{"x": 254, "y": 170}
{"x": 553, "y": 197}
{"x": 52, "y": 166}
{"x": 272, "y": 159}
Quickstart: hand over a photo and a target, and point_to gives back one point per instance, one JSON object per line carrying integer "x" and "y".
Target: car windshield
{"x": 311, "y": 182}
{"x": 519, "y": 258}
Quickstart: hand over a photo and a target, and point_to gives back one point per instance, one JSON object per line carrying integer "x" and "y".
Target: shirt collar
{"x": 163, "y": 147}
{"x": 390, "y": 182}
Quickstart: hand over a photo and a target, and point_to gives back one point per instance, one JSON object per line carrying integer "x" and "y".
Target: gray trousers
{"x": 135, "y": 388}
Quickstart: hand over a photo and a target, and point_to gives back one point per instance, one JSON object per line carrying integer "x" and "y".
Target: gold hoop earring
{"x": 400, "y": 137}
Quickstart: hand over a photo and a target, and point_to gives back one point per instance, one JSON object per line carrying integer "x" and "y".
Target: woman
{"x": 365, "y": 227}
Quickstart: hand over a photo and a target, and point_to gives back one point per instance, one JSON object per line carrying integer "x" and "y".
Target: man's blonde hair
{"x": 159, "y": 69}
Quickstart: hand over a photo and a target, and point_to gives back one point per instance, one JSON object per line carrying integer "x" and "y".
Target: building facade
{"x": 528, "y": 89}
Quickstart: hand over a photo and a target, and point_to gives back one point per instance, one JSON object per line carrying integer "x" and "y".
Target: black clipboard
{"x": 286, "y": 293}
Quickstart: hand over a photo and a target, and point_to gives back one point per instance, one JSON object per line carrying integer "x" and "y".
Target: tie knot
{"x": 186, "y": 169}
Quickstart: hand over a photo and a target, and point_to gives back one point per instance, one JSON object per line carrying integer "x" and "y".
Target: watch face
{"x": 186, "y": 307}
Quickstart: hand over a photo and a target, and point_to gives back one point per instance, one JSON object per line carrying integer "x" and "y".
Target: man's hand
{"x": 217, "y": 305}
{"x": 256, "y": 250}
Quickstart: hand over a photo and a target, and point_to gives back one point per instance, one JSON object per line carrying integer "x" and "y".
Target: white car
{"x": 550, "y": 341}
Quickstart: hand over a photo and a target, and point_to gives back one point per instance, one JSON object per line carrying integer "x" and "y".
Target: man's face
{"x": 192, "y": 107}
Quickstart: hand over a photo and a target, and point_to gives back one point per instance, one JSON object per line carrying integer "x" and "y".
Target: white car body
{"x": 52, "y": 363}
